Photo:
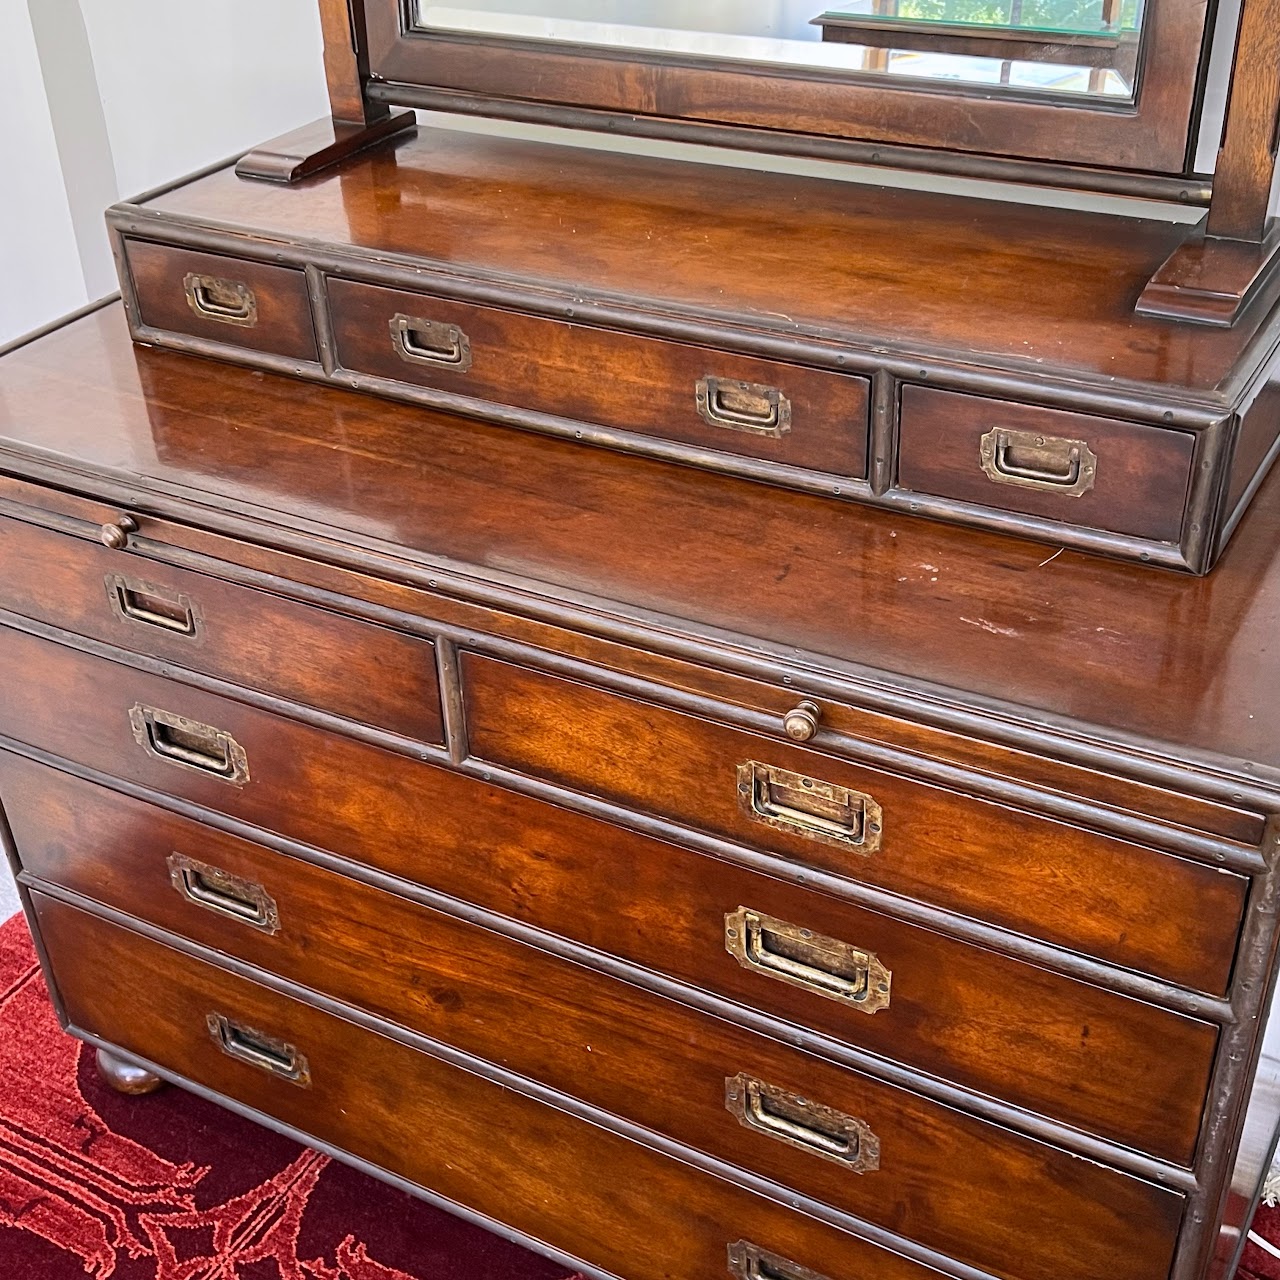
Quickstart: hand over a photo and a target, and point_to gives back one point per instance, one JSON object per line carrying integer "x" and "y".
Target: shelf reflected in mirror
{"x": 1072, "y": 48}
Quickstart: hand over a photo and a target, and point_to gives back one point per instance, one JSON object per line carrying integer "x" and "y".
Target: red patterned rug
{"x": 1261, "y": 1259}
{"x": 169, "y": 1187}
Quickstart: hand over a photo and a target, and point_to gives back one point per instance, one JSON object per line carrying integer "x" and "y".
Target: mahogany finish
{"x": 595, "y": 376}
{"x": 356, "y": 122}
{"x": 483, "y": 687}
{"x": 371, "y": 675}
{"x": 847, "y": 258}
{"x": 895, "y": 611}
{"x": 792, "y": 105}
{"x": 973, "y": 1190}
{"x": 592, "y": 291}
{"x": 493, "y": 1151}
{"x": 1126, "y": 905}
{"x": 280, "y": 321}
{"x": 1142, "y": 474}
{"x": 1127, "y": 1083}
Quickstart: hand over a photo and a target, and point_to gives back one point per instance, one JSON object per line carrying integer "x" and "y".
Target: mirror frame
{"x": 790, "y": 109}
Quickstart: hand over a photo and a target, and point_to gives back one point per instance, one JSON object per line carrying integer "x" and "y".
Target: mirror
{"x": 1024, "y": 48}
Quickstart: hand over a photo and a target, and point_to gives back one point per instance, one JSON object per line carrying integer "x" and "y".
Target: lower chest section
{"x": 665, "y": 973}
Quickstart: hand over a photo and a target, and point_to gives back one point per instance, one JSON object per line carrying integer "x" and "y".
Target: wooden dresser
{"x": 689, "y": 877}
{"x": 588, "y": 685}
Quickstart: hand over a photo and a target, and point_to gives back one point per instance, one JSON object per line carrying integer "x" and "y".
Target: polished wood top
{"x": 1130, "y": 650}
{"x": 1028, "y": 289}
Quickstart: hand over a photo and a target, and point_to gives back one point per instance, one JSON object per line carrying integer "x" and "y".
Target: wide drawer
{"x": 1115, "y": 1066}
{"x": 366, "y": 673}
{"x": 226, "y": 300}
{"x": 699, "y": 396}
{"x": 1095, "y": 472}
{"x": 970, "y": 1189}
{"x": 1115, "y": 900}
{"x": 636, "y": 1213}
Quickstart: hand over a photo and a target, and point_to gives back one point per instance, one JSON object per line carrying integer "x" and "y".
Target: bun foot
{"x": 124, "y": 1077}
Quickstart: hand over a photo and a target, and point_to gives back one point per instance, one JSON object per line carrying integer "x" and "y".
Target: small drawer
{"x": 735, "y": 404}
{"x": 860, "y": 1145}
{"x": 1118, "y": 901}
{"x": 1118, "y": 1067}
{"x": 1094, "y": 472}
{"x": 358, "y": 670}
{"x": 205, "y": 295}
{"x": 609, "y": 1201}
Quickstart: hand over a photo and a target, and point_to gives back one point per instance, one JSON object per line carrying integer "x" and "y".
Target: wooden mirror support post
{"x": 355, "y": 122}
{"x": 1232, "y": 255}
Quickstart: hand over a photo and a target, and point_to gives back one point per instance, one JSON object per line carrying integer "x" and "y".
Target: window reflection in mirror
{"x": 1061, "y": 47}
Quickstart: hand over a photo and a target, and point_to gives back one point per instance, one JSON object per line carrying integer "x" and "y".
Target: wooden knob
{"x": 801, "y": 724}
{"x": 116, "y": 536}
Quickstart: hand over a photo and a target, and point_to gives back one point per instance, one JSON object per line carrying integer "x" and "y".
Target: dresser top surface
{"x": 1121, "y": 651}
{"x": 996, "y": 285}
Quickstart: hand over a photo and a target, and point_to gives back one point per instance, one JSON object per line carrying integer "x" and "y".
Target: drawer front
{"x": 970, "y": 1189}
{"x": 366, "y": 673}
{"x": 637, "y": 1214}
{"x": 206, "y": 295}
{"x": 1082, "y": 470}
{"x": 1117, "y": 901}
{"x": 786, "y": 413}
{"x": 1112, "y": 1065}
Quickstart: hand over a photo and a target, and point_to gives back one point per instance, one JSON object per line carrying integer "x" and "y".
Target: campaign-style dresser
{"x": 719, "y": 723}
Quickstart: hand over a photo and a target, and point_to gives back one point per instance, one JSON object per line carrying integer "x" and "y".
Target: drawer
{"x": 736, "y": 404}
{"x": 354, "y": 669}
{"x": 206, "y": 295}
{"x": 1122, "y": 1068}
{"x": 632, "y": 1211}
{"x": 1073, "y": 467}
{"x": 970, "y": 1189}
{"x": 1118, "y": 901}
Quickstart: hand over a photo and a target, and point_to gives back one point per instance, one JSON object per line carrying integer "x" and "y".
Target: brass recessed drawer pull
{"x": 431, "y": 342}
{"x": 1068, "y": 467}
{"x": 743, "y": 406}
{"x": 227, "y": 301}
{"x": 750, "y": 1262}
{"x": 227, "y": 895}
{"x": 817, "y": 1129}
{"x": 825, "y": 966}
{"x": 809, "y": 807}
{"x": 264, "y": 1052}
{"x": 188, "y": 743}
{"x": 152, "y": 606}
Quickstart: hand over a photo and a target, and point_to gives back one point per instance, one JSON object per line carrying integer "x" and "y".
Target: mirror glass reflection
{"x": 1058, "y": 47}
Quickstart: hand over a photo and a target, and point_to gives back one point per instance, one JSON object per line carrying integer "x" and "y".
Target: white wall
{"x": 40, "y": 274}
{"x": 102, "y": 99}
